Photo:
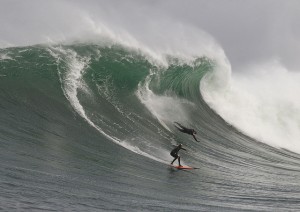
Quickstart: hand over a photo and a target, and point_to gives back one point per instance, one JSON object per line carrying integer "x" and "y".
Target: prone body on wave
{"x": 174, "y": 152}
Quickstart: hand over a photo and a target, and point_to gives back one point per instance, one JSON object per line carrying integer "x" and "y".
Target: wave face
{"x": 90, "y": 127}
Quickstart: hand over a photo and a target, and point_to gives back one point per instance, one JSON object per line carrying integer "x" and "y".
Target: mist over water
{"x": 262, "y": 102}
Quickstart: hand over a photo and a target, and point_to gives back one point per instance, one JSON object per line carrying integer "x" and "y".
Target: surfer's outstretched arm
{"x": 195, "y": 138}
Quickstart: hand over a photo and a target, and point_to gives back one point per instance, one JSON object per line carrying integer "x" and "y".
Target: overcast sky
{"x": 249, "y": 31}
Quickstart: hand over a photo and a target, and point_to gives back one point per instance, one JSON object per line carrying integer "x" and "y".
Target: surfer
{"x": 186, "y": 130}
{"x": 174, "y": 153}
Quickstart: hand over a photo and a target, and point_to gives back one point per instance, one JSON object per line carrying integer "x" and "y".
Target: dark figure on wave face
{"x": 174, "y": 153}
{"x": 186, "y": 130}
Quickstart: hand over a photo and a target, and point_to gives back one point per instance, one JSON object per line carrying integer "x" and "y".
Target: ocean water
{"x": 89, "y": 127}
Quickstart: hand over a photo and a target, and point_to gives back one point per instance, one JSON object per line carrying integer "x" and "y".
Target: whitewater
{"x": 87, "y": 122}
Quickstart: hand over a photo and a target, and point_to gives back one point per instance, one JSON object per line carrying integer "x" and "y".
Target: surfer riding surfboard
{"x": 174, "y": 152}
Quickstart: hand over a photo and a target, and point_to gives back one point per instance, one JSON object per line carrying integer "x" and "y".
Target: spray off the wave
{"x": 263, "y": 103}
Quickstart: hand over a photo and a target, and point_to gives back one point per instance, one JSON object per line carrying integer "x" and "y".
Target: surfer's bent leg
{"x": 173, "y": 160}
{"x": 175, "y": 157}
{"x": 180, "y": 129}
{"x": 183, "y": 127}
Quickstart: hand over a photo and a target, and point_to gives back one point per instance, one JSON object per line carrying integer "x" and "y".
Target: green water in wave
{"x": 122, "y": 69}
{"x": 53, "y": 159}
{"x": 181, "y": 78}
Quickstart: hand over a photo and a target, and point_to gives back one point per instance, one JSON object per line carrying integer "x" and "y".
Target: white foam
{"x": 72, "y": 81}
{"x": 165, "y": 108}
{"x": 5, "y": 57}
{"x": 263, "y": 102}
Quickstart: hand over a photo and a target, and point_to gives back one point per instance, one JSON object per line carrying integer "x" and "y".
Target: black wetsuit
{"x": 174, "y": 153}
{"x": 186, "y": 130}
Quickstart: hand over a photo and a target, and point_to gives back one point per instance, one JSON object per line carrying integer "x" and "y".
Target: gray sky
{"x": 249, "y": 31}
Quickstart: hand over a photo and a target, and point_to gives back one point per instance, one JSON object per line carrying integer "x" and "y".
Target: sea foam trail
{"x": 166, "y": 109}
{"x": 72, "y": 81}
{"x": 262, "y": 102}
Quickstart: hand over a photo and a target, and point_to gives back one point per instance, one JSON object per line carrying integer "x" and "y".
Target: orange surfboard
{"x": 184, "y": 167}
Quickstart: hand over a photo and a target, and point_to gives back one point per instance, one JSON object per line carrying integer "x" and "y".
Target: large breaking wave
{"x": 87, "y": 116}
{"x": 54, "y": 95}
{"x": 260, "y": 105}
